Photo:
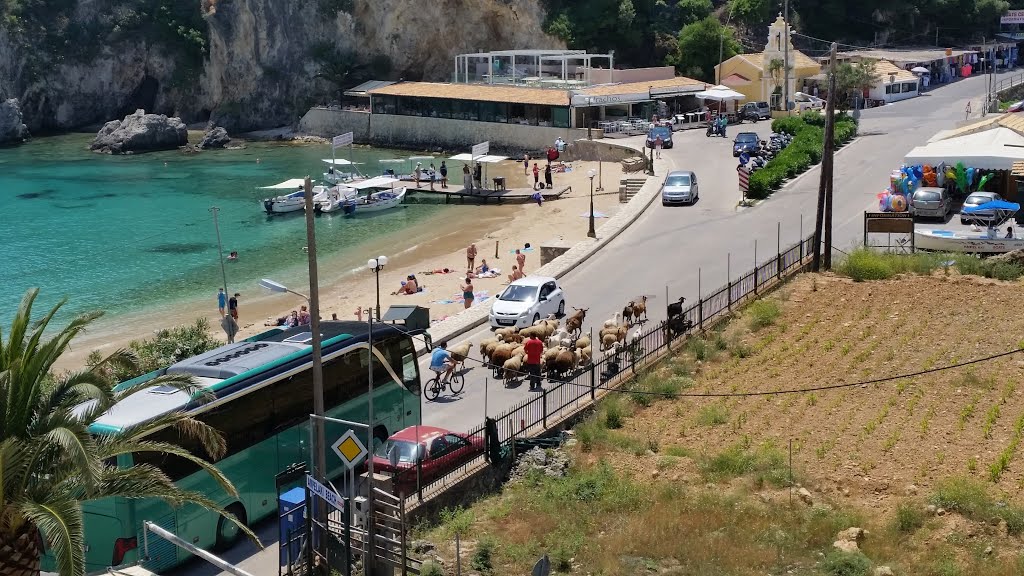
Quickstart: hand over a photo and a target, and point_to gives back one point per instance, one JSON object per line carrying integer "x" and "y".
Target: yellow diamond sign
{"x": 349, "y": 449}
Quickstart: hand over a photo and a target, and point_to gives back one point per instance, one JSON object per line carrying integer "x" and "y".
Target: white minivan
{"x": 527, "y": 300}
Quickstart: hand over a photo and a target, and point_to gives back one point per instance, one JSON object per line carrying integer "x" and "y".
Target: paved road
{"x": 667, "y": 245}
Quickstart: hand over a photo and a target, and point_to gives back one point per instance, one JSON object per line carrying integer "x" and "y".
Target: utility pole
{"x": 821, "y": 219}
{"x": 370, "y": 560}
{"x": 220, "y": 249}
{"x": 829, "y": 156}
{"x": 721, "y": 42}
{"x": 785, "y": 59}
{"x": 319, "y": 453}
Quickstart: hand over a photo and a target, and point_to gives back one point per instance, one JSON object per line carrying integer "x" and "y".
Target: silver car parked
{"x": 680, "y": 187}
{"x": 931, "y": 202}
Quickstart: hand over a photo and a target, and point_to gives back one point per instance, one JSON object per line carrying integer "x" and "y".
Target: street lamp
{"x": 591, "y": 233}
{"x": 376, "y": 265}
{"x": 269, "y": 284}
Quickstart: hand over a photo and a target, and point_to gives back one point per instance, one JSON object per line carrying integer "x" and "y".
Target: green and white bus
{"x": 263, "y": 390}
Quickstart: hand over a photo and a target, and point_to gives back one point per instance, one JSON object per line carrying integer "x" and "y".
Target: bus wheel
{"x": 227, "y": 531}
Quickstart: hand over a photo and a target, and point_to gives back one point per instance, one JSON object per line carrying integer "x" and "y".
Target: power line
{"x": 825, "y": 387}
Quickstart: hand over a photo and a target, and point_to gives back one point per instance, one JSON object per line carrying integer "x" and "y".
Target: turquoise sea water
{"x": 125, "y": 233}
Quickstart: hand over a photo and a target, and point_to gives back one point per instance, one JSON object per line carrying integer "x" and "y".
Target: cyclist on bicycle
{"x": 441, "y": 361}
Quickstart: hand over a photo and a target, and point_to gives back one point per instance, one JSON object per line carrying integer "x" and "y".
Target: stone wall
{"x": 423, "y": 133}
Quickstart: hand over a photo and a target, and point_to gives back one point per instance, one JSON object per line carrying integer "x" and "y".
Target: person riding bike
{"x": 441, "y": 361}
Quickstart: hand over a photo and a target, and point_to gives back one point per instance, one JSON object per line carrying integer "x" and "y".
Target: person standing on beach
{"x": 467, "y": 292}
{"x": 417, "y": 173}
{"x": 444, "y": 175}
{"x": 547, "y": 175}
{"x": 230, "y": 327}
{"x": 233, "y": 306}
{"x": 471, "y": 256}
{"x": 526, "y": 164}
{"x": 467, "y": 179}
{"x": 478, "y": 176}
{"x": 222, "y": 300}
{"x": 536, "y": 175}
{"x": 521, "y": 259}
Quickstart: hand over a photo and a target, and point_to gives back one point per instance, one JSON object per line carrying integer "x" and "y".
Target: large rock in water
{"x": 215, "y": 138}
{"x": 12, "y": 129}
{"x": 140, "y": 132}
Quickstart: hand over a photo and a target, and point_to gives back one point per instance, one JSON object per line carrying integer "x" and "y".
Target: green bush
{"x": 713, "y": 415}
{"x": 909, "y": 517}
{"x": 971, "y": 499}
{"x": 839, "y": 563}
{"x": 431, "y": 568}
{"x": 805, "y": 151}
{"x": 613, "y": 413}
{"x": 766, "y": 465}
{"x": 166, "y": 347}
{"x": 865, "y": 264}
{"x": 481, "y": 559}
{"x": 763, "y": 313}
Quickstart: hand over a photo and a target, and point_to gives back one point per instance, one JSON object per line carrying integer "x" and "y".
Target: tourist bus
{"x": 262, "y": 397}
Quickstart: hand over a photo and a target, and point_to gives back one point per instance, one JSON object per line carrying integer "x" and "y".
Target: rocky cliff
{"x": 245, "y": 64}
{"x": 12, "y": 129}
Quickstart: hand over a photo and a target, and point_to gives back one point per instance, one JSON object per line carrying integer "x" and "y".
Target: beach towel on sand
{"x": 492, "y": 273}
{"x": 478, "y": 297}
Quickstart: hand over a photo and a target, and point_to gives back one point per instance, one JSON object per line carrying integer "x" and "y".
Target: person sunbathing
{"x": 410, "y": 286}
{"x": 516, "y": 274}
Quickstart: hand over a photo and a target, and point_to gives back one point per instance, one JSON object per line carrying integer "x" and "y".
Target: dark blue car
{"x": 746, "y": 142}
{"x": 665, "y": 133}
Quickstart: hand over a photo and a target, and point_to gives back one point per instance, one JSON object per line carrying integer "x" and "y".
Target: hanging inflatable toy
{"x": 984, "y": 180}
{"x": 929, "y": 177}
{"x": 898, "y": 203}
{"x": 961, "y": 178}
{"x": 970, "y": 176}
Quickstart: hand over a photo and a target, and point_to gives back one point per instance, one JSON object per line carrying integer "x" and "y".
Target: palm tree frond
{"x": 208, "y": 437}
{"x": 78, "y": 447}
{"x": 61, "y": 524}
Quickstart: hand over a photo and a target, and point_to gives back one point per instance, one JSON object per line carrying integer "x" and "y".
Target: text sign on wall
{"x": 1012, "y": 17}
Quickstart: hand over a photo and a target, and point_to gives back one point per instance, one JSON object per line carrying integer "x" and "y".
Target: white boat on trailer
{"x": 290, "y": 202}
{"x": 990, "y": 215}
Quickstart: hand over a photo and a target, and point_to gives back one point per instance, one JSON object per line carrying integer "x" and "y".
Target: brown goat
{"x": 640, "y": 307}
{"x": 628, "y": 312}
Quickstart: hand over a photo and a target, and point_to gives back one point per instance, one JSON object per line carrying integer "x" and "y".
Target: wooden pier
{"x": 458, "y": 194}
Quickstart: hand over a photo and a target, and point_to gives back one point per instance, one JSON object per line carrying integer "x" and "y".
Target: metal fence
{"x": 565, "y": 396}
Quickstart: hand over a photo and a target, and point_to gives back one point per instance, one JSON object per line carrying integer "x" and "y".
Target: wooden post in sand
{"x": 496, "y": 250}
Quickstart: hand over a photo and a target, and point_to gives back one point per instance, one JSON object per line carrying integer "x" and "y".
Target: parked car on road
{"x": 746, "y": 142}
{"x": 931, "y": 202}
{"x": 527, "y": 300}
{"x": 755, "y": 111}
{"x": 805, "y": 101}
{"x": 664, "y": 132}
{"x": 977, "y": 199}
{"x": 436, "y": 451}
{"x": 680, "y": 187}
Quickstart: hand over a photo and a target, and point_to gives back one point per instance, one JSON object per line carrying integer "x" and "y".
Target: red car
{"x": 439, "y": 450}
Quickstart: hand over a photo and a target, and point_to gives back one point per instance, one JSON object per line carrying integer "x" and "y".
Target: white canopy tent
{"x": 338, "y": 161}
{"x": 995, "y": 149}
{"x": 293, "y": 183}
{"x": 375, "y": 182}
{"x": 720, "y": 93}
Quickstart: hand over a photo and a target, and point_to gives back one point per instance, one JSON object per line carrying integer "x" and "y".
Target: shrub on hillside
{"x": 839, "y": 563}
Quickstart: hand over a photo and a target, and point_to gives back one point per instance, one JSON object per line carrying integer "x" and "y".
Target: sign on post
{"x": 744, "y": 178}
{"x": 349, "y": 449}
{"x": 342, "y": 140}
{"x": 325, "y": 493}
{"x": 481, "y": 149}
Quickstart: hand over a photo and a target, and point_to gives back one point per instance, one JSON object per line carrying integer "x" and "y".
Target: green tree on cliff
{"x": 698, "y": 48}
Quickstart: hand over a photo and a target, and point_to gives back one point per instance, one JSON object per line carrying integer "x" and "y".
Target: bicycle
{"x": 436, "y": 385}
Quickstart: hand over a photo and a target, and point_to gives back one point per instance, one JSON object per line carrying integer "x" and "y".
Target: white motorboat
{"x": 289, "y": 202}
{"x": 336, "y": 175}
{"x": 350, "y": 201}
{"x": 975, "y": 243}
{"x": 333, "y": 199}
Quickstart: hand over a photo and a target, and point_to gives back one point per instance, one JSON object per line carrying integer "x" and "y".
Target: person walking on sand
{"x": 233, "y": 305}
{"x": 471, "y": 256}
{"x": 547, "y": 175}
{"x": 467, "y": 292}
{"x": 222, "y": 301}
{"x": 536, "y": 175}
{"x": 658, "y": 143}
{"x": 521, "y": 260}
{"x": 230, "y": 327}
{"x": 444, "y": 175}
{"x": 467, "y": 179}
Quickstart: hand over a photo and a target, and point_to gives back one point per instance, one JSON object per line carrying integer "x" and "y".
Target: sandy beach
{"x": 438, "y": 243}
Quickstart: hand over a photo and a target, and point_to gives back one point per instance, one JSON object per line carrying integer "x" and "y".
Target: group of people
{"x": 228, "y": 318}
{"x": 433, "y": 174}
{"x": 472, "y": 180}
{"x": 409, "y": 286}
{"x": 442, "y": 363}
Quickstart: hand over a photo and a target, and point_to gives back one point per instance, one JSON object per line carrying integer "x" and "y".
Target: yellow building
{"x": 758, "y": 78}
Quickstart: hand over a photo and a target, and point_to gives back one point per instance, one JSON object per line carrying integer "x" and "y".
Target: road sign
{"x": 744, "y": 178}
{"x": 342, "y": 140}
{"x": 481, "y": 149}
{"x": 328, "y": 495}
{"x": 744, "y": 158}
{"x": 349, "y": 449}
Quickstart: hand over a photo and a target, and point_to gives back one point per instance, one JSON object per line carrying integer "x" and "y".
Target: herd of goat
{"x": 566, "y": 348}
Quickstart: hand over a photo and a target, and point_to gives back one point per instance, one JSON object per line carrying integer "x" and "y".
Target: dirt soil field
{"x": 872, "y": 454}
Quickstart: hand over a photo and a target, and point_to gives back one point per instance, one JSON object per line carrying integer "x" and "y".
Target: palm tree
{"x": 50, "y": 463}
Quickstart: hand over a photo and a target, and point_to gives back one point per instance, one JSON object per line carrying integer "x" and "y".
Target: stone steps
{"x": 629, "y": 187}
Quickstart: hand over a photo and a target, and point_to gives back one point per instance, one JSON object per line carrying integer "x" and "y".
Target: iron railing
{"x": 564, "y": 396}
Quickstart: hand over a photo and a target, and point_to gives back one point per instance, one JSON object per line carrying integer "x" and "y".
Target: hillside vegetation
{"x": 930, "y": 465}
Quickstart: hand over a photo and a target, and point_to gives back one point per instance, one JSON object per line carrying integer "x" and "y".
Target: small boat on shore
{"x": 992, "y": 215}
{"x": 290, "y": 202}
{"x": 348, "y": 199}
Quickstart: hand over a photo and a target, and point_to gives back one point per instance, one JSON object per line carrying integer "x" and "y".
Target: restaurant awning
{"x": 720, "y": 93}
{"x": 995, "y": 149}
{"x": 363, "y": 89}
